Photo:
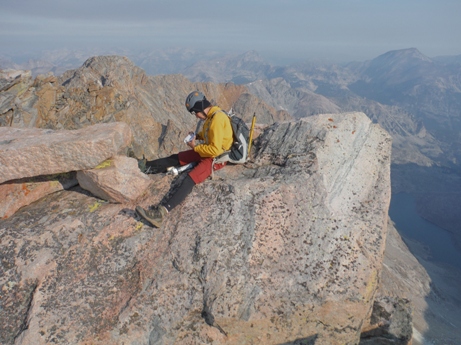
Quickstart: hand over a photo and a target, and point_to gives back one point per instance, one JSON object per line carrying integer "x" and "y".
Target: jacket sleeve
{"x": 214, "y": 147}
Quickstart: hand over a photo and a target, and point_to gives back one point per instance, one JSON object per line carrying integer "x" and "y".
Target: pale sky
{"x": 341, "y": 30}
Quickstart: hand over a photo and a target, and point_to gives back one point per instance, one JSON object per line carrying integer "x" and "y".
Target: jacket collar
{"x": 214, "y": 109}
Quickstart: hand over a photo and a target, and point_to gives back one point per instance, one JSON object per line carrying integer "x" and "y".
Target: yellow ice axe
{"x": 251, "y": 133}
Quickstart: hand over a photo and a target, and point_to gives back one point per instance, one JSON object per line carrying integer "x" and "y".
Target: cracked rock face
{"x": 285, "y": 250}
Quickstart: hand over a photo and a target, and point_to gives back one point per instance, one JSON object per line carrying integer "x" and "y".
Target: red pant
{"x": 203, "y": 169}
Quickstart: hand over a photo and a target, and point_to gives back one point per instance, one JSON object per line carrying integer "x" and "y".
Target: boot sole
{"x": 142, "y": 213}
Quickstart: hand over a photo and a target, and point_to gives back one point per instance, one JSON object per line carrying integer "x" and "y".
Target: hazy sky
{"x": 341, "y": 30}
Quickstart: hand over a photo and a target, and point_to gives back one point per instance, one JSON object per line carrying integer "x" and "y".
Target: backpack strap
{"x": 222, "y": 158}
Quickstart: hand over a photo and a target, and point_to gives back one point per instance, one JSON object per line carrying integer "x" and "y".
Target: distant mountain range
{"x": 154, "y": 62}
{"x": 416, "y": 98}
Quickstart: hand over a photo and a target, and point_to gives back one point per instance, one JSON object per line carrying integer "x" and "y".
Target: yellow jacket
{"x": 217, "y": 134}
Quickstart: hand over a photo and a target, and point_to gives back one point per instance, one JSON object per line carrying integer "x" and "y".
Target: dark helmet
{"x": 196, "y": 101}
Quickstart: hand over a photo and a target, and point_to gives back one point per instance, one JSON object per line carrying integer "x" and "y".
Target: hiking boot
{"x": 130, "y": 152}
{"x": 154, "y": 216}
{"x": 142, "y": 164}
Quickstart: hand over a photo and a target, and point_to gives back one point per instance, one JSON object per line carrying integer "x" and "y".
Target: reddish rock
{"x": 19, "y": 193}
{"x": 35, "y": 152}
{"x": 117, "y": 180}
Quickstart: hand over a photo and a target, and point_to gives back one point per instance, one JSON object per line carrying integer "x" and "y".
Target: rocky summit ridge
{"x": 286, "y": 249}
{"x": 110, "y": 89}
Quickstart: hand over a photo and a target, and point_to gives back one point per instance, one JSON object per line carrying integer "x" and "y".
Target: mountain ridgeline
{"x": 415, "y": 98}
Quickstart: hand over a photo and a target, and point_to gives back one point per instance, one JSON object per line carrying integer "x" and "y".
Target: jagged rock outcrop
{"x": 34, "y": 152}
{"x": 391, "y": 323}
{"x": 110, "y": 88}
{"x": 285, "y": 250}
{"x": 13, "y": 84}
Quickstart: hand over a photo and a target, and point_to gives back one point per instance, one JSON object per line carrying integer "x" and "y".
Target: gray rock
{"x": 391, "y": 322}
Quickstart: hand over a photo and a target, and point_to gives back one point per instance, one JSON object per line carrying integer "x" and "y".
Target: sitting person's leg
{"x": 180, "y": 194}
{"x": 160, "y": 165}
{"x": 202, "y": 170}
{"x": 156, "y": 214}
{"x": 189, "y": 156}
{"x": 198, "y": 174}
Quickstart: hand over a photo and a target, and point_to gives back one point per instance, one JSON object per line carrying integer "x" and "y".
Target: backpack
{"x": 238, "y": 153}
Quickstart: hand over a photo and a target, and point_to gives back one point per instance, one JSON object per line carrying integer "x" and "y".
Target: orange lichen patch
{"x": 24, "y": 188}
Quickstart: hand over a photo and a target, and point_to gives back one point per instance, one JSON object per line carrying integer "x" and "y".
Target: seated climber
{"x": 217, "y": 138}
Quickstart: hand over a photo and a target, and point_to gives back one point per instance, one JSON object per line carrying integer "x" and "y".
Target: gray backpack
{"x": 238, "y": 153}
